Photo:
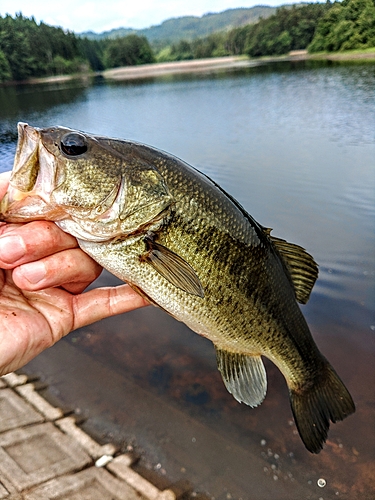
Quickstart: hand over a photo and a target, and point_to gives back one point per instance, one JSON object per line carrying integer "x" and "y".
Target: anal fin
{"x": 244, "y": 376}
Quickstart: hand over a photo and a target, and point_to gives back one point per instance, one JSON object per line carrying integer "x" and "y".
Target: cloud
{"x": 95, "y": 15}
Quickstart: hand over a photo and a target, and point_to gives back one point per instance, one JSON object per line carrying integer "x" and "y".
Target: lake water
{"x": 295, "y": 144}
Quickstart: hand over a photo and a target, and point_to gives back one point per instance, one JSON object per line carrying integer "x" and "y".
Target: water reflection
{"x": 33, "y": 104}
{"x": 295, "y": 145}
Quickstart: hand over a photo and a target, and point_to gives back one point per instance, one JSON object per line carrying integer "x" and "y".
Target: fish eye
{"x": 73, "y": 144}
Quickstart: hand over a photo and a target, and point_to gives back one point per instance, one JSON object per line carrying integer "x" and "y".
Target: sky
{"x": 98, "y": 16}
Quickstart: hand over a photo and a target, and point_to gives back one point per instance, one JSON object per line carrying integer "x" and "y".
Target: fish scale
{"x": 190, "y": 248}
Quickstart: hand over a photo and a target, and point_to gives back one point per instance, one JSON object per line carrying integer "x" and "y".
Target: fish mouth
{"x": 31, "y": 182}
{"x": 27, "y": 209}
{"x": 27, "y": 144}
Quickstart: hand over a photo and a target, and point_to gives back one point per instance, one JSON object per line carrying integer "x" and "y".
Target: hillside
{"x": 190, "y": 27}
{"x": 115, "y": 33}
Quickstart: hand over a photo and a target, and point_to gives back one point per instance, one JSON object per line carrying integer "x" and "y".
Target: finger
{"x": 29, "y": 242}
{"x": 104, "y": 302}
{"x": 72, "y": 269}
{"x": 4, "y": 181}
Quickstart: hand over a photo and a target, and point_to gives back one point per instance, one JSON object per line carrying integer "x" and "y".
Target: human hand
{"x": 42, "y": 276}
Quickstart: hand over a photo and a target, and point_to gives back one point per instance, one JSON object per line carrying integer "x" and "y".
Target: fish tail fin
{"x": 328, "y": 399}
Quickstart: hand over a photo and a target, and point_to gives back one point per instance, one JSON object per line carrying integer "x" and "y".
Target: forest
{"x": 29, "y": 49}
{"x": 317, "y": 27}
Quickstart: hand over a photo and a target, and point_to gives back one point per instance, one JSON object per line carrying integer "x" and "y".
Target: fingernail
{"x": 33, "y": 272}
{"x": 12, "y": 249}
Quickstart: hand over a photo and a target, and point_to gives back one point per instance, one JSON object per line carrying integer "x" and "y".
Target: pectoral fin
{"x": 173, "y": 268}
{"x": 244, "y": 376}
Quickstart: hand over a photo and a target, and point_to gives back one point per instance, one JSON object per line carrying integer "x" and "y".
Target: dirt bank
{"x": 220, "y": 63}
{"x": 177, "y": 67}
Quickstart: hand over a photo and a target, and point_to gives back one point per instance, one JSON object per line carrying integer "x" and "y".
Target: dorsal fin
{"x": 302, "y": 268}
{"x": 244, "y": 376}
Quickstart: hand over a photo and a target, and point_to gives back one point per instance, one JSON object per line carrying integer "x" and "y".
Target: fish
{"x": 184, "y": 244}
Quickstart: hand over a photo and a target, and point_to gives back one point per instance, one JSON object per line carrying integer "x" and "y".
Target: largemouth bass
{"x": 188, "y": 247}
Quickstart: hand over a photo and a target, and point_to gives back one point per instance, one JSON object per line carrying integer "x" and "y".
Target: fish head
{"x": 89, "y": 188}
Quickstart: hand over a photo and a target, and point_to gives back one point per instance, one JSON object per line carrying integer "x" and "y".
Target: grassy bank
{"x": 347, "y": 55}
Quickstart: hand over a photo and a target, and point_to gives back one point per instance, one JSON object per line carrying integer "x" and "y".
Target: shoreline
{"x": 193, "y": 66}
{"x": 221, "y": 63}
{"x": 175, "y": 67}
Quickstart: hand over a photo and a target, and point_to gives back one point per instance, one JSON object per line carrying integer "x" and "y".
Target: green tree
{"x": 182, "y": 51}
{"x": 92, "y": 51}
{"x": 14, "y": 45}
{"x": 348, "y": 25}
{"x": 291, "y": 28}
{"x": 282, "y": 43}
{"x": 32, "y": 49}
{"x": 236, "y": 39}
{"x": 128, "y": 51}
{"x": 210, "y": 46}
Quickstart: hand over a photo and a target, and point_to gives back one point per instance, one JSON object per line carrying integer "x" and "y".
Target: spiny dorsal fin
{"x": 244, "y": 376}
{"x": 302, "y": 268}
{"x": 173, "y": 268}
